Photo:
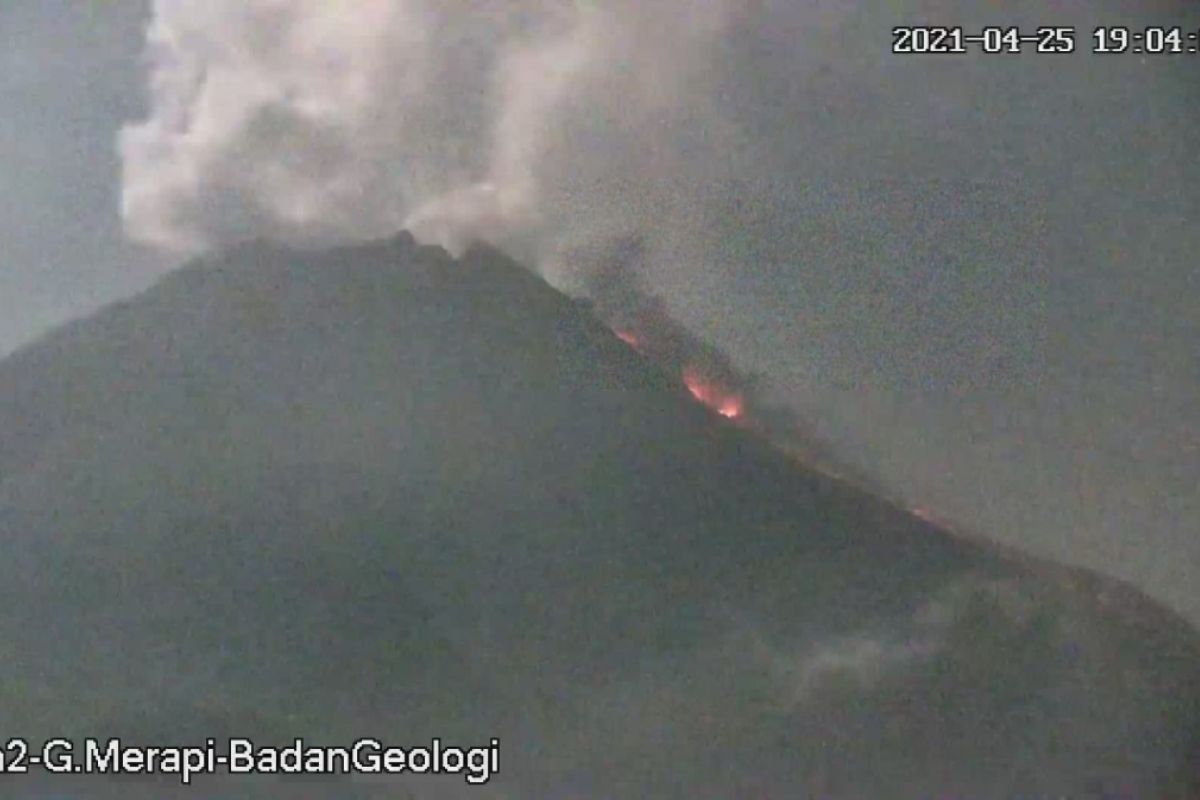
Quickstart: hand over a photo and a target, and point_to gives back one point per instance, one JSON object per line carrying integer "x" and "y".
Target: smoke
{"x": 949, "y": 623}
{"x": 539, "y": 124}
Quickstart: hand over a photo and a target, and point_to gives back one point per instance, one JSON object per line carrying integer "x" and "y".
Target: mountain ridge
{"x": 232, "y": 478}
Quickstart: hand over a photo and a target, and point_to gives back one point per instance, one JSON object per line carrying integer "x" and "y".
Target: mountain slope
{"x": 377, "y": 491}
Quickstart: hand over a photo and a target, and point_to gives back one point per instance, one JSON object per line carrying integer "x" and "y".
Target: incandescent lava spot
{"x": 727, "y": 403}
{"x": 629, "y": 338}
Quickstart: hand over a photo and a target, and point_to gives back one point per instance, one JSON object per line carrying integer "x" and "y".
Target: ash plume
{"x": 315, "y": 122}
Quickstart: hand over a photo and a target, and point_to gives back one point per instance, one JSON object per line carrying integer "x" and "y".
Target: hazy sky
{"x": 978, "y": 275}
{"x": 68, "y": 78}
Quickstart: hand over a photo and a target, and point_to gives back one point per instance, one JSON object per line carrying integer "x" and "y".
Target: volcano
{"x": 381, "y": 492}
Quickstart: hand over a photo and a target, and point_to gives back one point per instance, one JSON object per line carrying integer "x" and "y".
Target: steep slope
{"x": 380, "y": 492}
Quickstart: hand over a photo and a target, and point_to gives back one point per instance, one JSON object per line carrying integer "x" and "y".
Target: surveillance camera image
{"x": 599, "y": 400}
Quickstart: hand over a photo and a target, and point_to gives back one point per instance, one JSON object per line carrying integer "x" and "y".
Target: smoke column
{"x": 542, "y": 124}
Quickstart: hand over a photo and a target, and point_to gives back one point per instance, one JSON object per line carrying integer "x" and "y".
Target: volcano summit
{"x": 382, "y": 492}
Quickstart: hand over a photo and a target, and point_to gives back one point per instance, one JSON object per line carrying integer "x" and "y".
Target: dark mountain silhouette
{"x": 378, "y": 491}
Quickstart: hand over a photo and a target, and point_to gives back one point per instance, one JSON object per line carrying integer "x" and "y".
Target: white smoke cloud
{"x": 864, "y": 659}
{"x": 548, "y": 122}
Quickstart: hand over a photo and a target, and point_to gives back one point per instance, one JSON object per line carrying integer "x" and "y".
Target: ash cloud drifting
{"x": 316, "y": 122}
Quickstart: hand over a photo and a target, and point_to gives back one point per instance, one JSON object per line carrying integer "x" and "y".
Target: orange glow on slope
{"x": 629, "y": 339}
{"x": 731, "y": 408}
{"x": 727, "y": 404}
{"x": 927, "y": 515}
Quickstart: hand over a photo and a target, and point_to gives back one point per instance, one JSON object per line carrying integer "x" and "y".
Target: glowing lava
{"x": 629, "y": 339}
{"x": 927, "y": 515}
{"x": 727, "y": 404}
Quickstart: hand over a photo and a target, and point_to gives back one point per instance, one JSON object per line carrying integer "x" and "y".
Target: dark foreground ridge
{"x": 376, "y": 491}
